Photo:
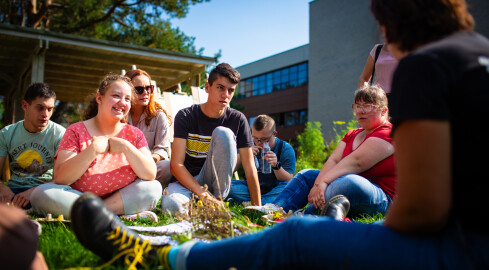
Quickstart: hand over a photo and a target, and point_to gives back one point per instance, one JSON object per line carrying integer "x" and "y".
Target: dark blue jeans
{"x": 365, "y": 197}
{"x": 239, "y": 192}
{"x": 311, "y": 242}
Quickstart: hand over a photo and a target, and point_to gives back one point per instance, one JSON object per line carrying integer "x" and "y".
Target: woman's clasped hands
{"x": 105, "y": 144}
{"x": 316, "y": 195}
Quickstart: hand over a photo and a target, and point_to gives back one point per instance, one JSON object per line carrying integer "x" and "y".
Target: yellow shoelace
{"x": 132, "y": 255}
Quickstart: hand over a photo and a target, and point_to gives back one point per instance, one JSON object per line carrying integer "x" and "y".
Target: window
{"x": 285, "y": 119}
{"x": 288, "y": 77}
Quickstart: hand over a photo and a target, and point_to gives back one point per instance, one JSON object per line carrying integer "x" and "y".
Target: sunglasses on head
{"x": 140, "y": 89}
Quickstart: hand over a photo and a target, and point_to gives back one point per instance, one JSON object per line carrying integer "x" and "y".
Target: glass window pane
{"x": 293, "y": 69}
{"x": 285, "y": 78}
{"x": 269, "y": 89}
{"x": 293, "y": 76}
{"x": 291, "y": 118}
{"x": 284, "y": 71}
{"x": 303, "y": 117}
{"x": 276, "y": 76}
{"x": 294, "y": 83}
{"x": 269, "y": 77}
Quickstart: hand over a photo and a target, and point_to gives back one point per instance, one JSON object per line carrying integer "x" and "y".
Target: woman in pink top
{"x": 385, "y": 66}
{"x": 105, "y": 156}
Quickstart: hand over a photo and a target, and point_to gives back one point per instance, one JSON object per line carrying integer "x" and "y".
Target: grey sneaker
{"x": 264, "y": 209}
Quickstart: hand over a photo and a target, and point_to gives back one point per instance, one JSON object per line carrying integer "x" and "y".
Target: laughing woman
{"x": 147, "y": 115}
{"x": 105, "y": 156}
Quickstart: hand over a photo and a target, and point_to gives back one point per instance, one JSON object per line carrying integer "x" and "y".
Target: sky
{"x": 246, "y": 30}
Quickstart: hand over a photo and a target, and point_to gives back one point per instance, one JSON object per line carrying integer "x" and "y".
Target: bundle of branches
{"x": 211, "y": 221}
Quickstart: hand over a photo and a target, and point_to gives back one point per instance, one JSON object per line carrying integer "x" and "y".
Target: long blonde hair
{"x": 152, "y": 108}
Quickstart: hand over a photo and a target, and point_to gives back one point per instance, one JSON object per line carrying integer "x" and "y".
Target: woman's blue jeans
{"x": 364, "y": 196}
{"x": 310, "y": 242}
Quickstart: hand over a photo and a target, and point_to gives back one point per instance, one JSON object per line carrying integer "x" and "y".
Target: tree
{"x": 139, "y": 22}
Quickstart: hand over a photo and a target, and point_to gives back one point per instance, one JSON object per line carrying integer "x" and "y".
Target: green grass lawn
{"x": 62, "y": 250}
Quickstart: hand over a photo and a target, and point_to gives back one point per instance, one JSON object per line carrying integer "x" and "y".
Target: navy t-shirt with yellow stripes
{"x": 194, "y": 126}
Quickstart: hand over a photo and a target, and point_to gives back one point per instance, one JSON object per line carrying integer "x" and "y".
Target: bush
{"x": 312, "y": 153}
{"x": 311, "y": 148}
{"x": 340, "y": 132}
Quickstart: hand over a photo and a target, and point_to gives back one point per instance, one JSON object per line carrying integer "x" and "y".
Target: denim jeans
{"x": 365, "y": 197}
{"x": 240, "y": 193}
{"x": 221, "y": 157}
{"x": 321, "y": 243}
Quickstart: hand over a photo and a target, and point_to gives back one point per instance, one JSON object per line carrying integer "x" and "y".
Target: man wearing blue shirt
{"x": 281, "y": 158}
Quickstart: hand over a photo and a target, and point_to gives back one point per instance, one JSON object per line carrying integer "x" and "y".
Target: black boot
{"x": 336, "y": 208}
{"x": 101, "y": 231}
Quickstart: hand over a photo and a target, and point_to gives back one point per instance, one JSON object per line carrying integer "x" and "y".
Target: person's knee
{"x": 40, "y": 192}
{"x": 152, "y": 189}
{"x": 222, "y": 132}
{"x": 304, "y": 171}
{"x": 345, "y": 185}
{"x": 53, "y": 199}
{"x": 174, "y": 203}
{"x": 308, "y": 174}
{"x": 224, "y": 135}
{"x": 148, "y": 194}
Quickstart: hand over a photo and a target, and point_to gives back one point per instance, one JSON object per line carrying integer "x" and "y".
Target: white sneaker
{"x": 264, "y": 209}
{"x": 145, "y": 215}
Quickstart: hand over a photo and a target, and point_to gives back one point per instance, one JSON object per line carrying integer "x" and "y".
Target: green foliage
{"x": 311, "y": 148}
{"x": 311, "y": 151}
{"x": 139, "y": 22}
{"x": 340, "y": 128}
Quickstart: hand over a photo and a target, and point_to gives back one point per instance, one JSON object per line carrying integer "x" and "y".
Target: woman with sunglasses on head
{"x": 361, "y": 168}
{"x": 147, "y": 115}
{"x": 105, "y": 156}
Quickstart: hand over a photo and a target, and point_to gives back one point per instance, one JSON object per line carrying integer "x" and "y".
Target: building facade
{"x": 341, "y": 36}
{"x": 277, "y": 86}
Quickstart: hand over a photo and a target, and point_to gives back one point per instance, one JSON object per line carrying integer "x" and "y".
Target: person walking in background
{"x": 281, "y": 158}
{"x": 150, "y": 117}
{"x": 105, "y": 156}
{"x": 30, "y": 146}
{"x": 379, "y": 68}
